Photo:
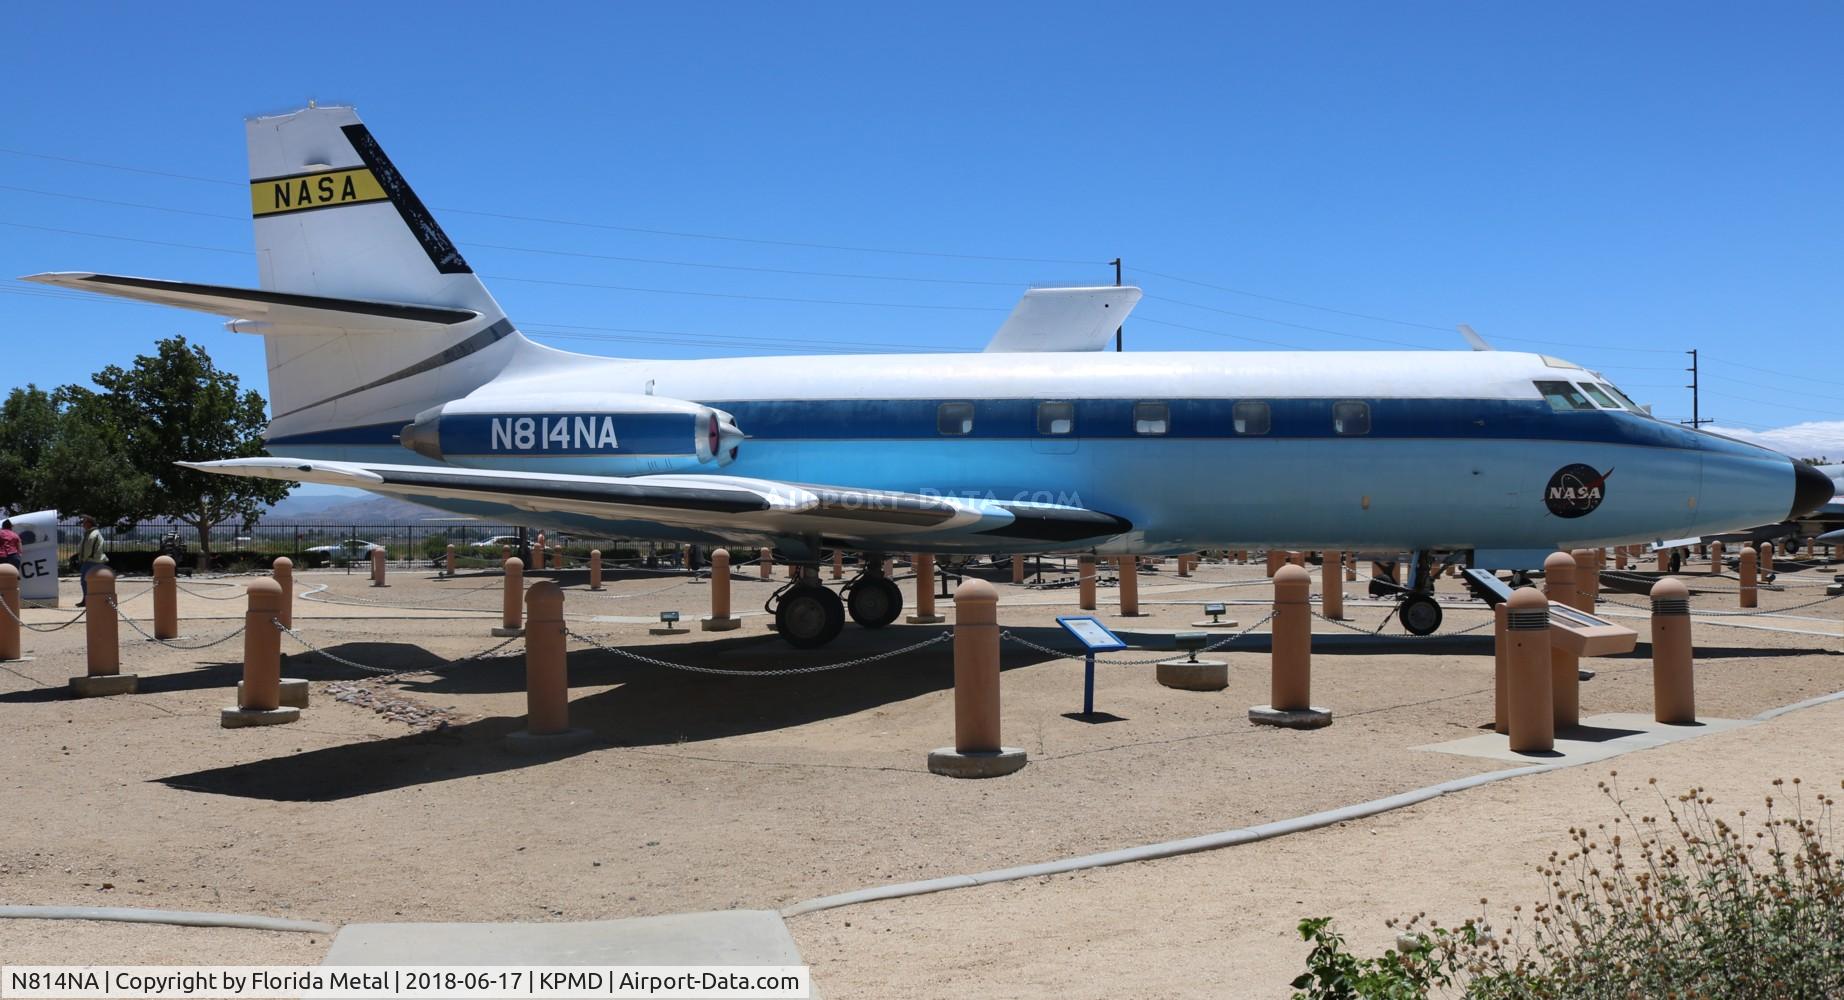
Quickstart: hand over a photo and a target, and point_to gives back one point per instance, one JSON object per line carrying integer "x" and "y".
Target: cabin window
{"x": 1056, "y": 418}
{"x": 1563, "y": 396}
{"x": 1351, "y": 418}
{"x": 1252, "y": 418}
{"x": 954, "y": 418}
{"x": 1151, "y": 418}
{"x": 1594, "y": 391}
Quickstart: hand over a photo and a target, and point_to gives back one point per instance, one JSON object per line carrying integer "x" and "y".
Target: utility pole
{"x": 1696, "y": 417}
{"x": 1117, "y": 330}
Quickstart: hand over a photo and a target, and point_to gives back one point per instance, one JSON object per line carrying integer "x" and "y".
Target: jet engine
{"x": 614, "y": 434}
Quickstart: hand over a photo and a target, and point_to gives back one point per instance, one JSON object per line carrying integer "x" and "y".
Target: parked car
{"x": 351, "y": 548}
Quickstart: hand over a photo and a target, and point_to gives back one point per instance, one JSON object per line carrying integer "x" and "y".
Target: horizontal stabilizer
{"x": 267, "y": 311}
{"x": 1065, "y": 319}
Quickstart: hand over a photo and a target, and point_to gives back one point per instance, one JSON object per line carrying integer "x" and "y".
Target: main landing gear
{"x": 1419, "y": 612}
{"x": 810, "y": 615}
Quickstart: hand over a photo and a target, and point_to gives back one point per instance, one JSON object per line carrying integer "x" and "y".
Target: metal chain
{"x": 168, "y": 642}
{"x": 1060, "y": 654}
{"x": 42, "y": 628}
{"x": 237, "y": 596}
{"x": 387, "y": 671}
{"x": 781, "y": 672}
{"x": 1731, "y": 614}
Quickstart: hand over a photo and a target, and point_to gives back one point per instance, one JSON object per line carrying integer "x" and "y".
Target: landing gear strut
{"x": 1419, "y": 611}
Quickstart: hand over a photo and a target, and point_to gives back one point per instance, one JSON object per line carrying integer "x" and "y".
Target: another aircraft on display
{"x": 393, "y": 370}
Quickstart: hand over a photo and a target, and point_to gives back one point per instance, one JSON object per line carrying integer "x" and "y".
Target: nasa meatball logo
{"x": 1575, "y": 490}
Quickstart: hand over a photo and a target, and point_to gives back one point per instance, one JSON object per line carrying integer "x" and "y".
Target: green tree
{"x": 28, "y": 424}
{"x": 88, "y": 466}
{"x": 175, "y": 405}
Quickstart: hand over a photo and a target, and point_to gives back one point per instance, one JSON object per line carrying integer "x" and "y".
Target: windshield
{"x": 1563, "y": 396}
{"x": 1600, "y": 397}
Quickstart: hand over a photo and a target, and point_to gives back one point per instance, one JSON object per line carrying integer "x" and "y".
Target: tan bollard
{"x": 1018, "y": 569}
{"x": 1664, "y": 560}
{"x": 1351, "y": 568}
{"x": 1184, "y": 566}
{"x": 1085, "y": 570}
{"x": 1290, "y": 684}
{"x": 9, "y": 614}
{"x": 1766, "y": 562}
{"x": 1129, "y": 586}
{"x": 448, "y": 560}
{"x": 1276, "y": 559}
{"x": 838, "y": 564}
{"x": 259, "y": 696}
{"x": 1331, "y": 586}
{"x": 1619, "y": 557}
{"x": 766, "y": 563}
{"x": 1296, "y": 557}
{"x": 547, "y": 678}
{"x": 1501, "y": 681}
{"x": 1565, "y": 667}
{"x": 166, "y": 598}
{"x": 537, "y": 553}
{"x": 925, "y": 592}
{"x": 1528, "y": 676}
{"x": 283, "y": 572}
{"x": 513, "y": 612}
{"x": 1588, "y": 564}
{"x": 595, "y": 569}
{"x": 101, "y": 633}
{"x": 1716, "y": 560}
{"x": 977, "y": 751}
{"x": 1674, "y": 692}
{"x": 1750, "y": 593}
{"x": 377, "y": 568}
{"x": 720, "y": 620}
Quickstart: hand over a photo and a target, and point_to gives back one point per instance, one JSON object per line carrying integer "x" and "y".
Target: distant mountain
{"x": 362, "y": 509}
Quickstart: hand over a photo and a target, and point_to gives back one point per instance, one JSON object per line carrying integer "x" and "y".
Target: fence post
{"x": 547, "y": 678}
{"x": 166, "y": 598}
{"x": 925, "y": 592}
{"x": 977, "y": 751}
{"x": 1290, "y": 684}
{"x": 595, "y": 569}
{"x": 102, "y": 642}
{"x": 512, "y": 611}
{"x": 1560, "y": 586}
{"x": 1085, "y": 570}
{"x": 259, "y": 694}
{"x": 720, "y": 620}
{"x": 9, "y": 615}
{"x": 1529, "y": 669}
{"x": 1331, "y": 585}
{"x": 1674, "y": 693}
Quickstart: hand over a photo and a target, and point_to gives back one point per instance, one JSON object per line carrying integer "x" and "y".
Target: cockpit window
{"x": 1563, "y": 396}
{"x": 1625, "y": 400}
{"x": 1600, "y": 396}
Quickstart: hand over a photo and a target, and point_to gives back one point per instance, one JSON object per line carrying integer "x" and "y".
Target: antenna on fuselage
{"x": 1478, "y": 343}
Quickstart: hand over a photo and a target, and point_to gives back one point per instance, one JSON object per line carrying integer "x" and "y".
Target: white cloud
{"x": 1815, "y": 439}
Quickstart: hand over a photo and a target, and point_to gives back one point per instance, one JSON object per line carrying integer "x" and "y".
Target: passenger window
{"x": 1252, "y": 418}
{"x": 954, "y": 418}
{"x": 1563, "y": 396}
{"x": 1151, "y": 418}
{"x": 1600, "y": 397}
{"x": 1056, "y": 418}
{"x": 1351, "y": 418}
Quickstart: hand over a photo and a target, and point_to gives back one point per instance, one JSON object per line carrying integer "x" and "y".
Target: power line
{"x": 1279, "y": 322}
{"x": 740, "y": 295}
{"x": 122, "y": 204}
{"x": 1290, "y": 302}
{"x": 127, "y": 239}
{"x": 744, "y": 267}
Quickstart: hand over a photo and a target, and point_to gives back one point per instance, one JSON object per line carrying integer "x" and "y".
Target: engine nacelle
{"x": 615, "y": 434}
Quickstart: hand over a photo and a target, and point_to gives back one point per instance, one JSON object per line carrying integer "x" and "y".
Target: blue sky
{"x": 1610, "y": 183}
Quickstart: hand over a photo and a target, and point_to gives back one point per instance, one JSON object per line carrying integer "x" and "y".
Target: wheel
{"x": 809, "y": 617}
{"x": 1421, "y": 615}
{"x": 875, "y": 601}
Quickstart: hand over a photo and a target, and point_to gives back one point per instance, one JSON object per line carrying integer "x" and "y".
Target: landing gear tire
{"x": 875, "y": 601}
{"x": 1421, "y": 615}
{"x": 809, "y": 617}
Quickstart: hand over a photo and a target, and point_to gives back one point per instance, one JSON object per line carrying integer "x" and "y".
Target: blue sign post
{"x": 1095, "y": 638}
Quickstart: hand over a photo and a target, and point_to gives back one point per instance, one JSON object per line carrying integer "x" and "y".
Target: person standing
{"x": 9, "y": 545}
{"x": 90, "y": 556}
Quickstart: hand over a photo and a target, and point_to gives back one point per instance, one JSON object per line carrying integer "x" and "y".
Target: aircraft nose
{"x": 1812, "y": 489}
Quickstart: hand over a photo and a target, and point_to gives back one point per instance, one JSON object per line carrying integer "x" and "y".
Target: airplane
{"x": 1823, "y": 524}
{"x": 392, "y": 369}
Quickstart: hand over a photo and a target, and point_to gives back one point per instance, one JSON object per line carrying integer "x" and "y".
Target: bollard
{"x": 1587, "y": 580}
{"x": 166, "y": 598}
{"x": 448, "y": 560}
{"x": 1296, "y": 557}
{"x": 513, "y": 612}
{"x": 1674, "y": 692}
{"x": 925, "y": 592}
{"x": 1529, "y": 679}
{"x": 1351, "y": 568}
{"x": 1501, "y": 706}
{"x": 1766, "y": 562}
{"x": 1276, "y": 559}
{"x": 1619, "y": 557}
{"x": 595, "y": 569}
{"x": 1129, "y": 586}
{"x": 1565, "y": 667}
{"x": 537, "y": 552}
{"x": 283, "y": 570}
{"x": 259, "y": 696}
{"x": 377, "y": 568}
{"x": 1085, "y": 569}
{"x": 838, "y": 564}
{"x": 1716, "y": 562}
{"x": 1664, "y": 560}
{"x": 766, "y": 561}
{"x": 1749, "y": 593}
{"x": 102, "y": 639}
{"x": 720, "y": 620}
{"x": 977, "y": 751}
{"x": 1017, "y": 569}
{"x": 1331, "y": 587}
{"x": 1290, "y": 672}
{"x": 9, "y": 613}
{"x": 547, "y": 679}
{"x": 1184, "y": 566}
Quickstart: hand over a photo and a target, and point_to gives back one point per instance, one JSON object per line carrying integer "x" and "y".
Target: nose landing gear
{"x": 1420, "y": 613}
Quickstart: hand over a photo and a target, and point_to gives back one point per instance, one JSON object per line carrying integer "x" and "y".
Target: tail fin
{"x": 334, "y": 218}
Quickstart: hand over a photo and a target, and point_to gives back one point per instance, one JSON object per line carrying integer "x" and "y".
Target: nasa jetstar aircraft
{"x": 392, "y": 369}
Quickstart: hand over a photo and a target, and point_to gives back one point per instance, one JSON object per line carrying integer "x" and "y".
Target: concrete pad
{"x": 977, "y": 764}
{"x": 1225, "y": 623}
{"x": 1299, "y": 718}
{"x": 719, "y": 624}
{"x": 103, "y": 685}
{"x": 1194, "y": 675}
{"x": 534, "y": 744}
{"x": 1599, "y": 737}
{"x": 507, "y": 633}
{"x": 924, "y": 619}
{"x": 294, "y": 692}
{"x": 668, "y": 630}
{"x": 726, "y": 937}
{"x": 243, "y": 718}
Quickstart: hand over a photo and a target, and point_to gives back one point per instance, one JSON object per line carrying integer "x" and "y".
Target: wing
{"x": 725, "y": 506}
{"x": 255, "y": 310}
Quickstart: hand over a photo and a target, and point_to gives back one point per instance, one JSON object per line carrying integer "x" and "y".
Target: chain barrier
{"x": 781, "y": 672}
{"x": 234, "y": 596}
{"x": 387, "y": 672}
{"x": 168, "y": 642}
{"x": 1731, "y": 614}
{"x": 1060, "y": 654}
{"x": 42, "y": 628}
